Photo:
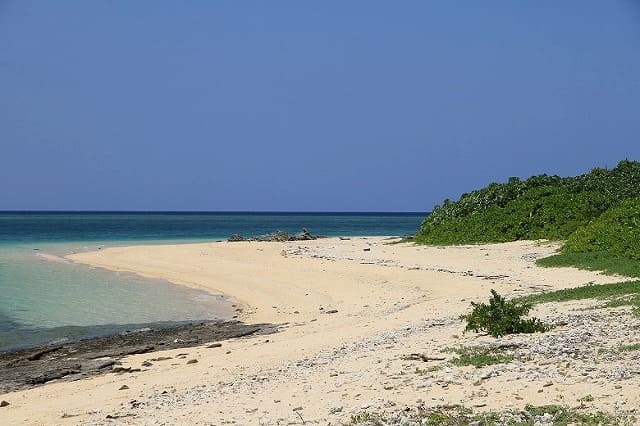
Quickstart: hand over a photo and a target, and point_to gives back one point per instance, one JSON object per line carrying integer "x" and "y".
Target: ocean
{"x": 49, "y": 301}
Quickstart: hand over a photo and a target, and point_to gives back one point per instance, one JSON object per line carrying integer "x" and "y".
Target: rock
{"x": 36, "y": 356}
{"x": 124, "y": 387}
{"x": 331, "y": 311}
{"x": 3, "y": 403}
{"x": 192, "y": 361}
{"x": 277, "y": 236}
{"x": 57, "y": 373}
{"x": 303, "y": 235}
{"x": 335, "y": 409}
{"x": 105, "y": 364}
{"x": 214, "y": 345}
{"x": 161, "y": 358}
{"x": 147, "y": 364}
{"x": 297, "y": 409}
{"x": 120, "y": 370}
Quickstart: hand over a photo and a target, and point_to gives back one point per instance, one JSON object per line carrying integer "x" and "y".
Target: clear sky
{"x": 307, "y": 105}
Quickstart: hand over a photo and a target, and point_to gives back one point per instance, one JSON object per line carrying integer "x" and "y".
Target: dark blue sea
{"x": 47, "y": 299}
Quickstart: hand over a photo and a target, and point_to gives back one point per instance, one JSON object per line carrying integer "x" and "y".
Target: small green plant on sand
{"x": 424, "y": 371}
{"x": 586, "y": 398}
{"x": 364, "y": 417}
{"x": 501, "y": 317}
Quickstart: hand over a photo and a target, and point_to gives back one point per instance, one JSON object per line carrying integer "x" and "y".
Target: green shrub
{"x": 501, "y": 317}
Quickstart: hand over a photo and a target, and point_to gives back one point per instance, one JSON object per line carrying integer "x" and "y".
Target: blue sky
{"x": 307, "y": 106}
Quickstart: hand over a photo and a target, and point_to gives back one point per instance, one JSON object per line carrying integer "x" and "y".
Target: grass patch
{"x": 629, "y": 348}
{"x": 594, "y": 261}
{"x": 632, "y": 300}
{"x": 621, "y": 349}
{"x": 564, "y": 416}
{"x": 424, "y": 371}
{"x": 590, "y": 291}
{"x": 478, "y": 356}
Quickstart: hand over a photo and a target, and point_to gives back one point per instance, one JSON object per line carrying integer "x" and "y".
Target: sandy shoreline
{"x": 349, "y": 317}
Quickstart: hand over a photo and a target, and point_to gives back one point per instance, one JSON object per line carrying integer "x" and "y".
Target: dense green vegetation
{"x": 598, "y": 214}
{"x": 616, "y": 232}
{"x": 542, "y": 206}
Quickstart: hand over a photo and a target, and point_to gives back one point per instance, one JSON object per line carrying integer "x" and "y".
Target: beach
{"x": 363, "y": 325}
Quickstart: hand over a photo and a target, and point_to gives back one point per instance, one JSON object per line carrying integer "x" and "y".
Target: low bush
{"x": 501, "y": 317}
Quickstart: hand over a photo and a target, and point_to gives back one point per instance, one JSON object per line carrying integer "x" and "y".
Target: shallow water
{"x": 45, "y": 298}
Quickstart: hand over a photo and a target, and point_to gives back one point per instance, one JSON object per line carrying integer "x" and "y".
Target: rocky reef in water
{"x": 277, "y": 236}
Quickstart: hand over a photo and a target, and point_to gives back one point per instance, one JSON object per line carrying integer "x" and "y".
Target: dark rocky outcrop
{"x": 277, "y": 236}
{"x": 29, "y": 367}
{"x": 304, "y": 235}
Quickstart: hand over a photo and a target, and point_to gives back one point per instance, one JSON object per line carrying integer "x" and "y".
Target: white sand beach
{"x": 351, "y": 312}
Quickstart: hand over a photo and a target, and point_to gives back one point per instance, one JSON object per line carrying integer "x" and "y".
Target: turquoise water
{"x": 43, "y": 300}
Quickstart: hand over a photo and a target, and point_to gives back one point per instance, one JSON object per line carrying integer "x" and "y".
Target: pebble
{"x": 3, "y": 403}
{"x": 335, "y": 409}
